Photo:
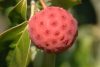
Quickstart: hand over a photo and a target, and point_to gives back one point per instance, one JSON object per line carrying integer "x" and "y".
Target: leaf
{"x": 7, "y": 37}
{"x": 12, "y": 33}
{"x": 65, "y": 3}
{"x": 21, "y": 7}
{"x": 18, "y": 56}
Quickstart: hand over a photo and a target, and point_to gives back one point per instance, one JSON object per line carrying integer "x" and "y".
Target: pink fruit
{"x": 53, "y": 29}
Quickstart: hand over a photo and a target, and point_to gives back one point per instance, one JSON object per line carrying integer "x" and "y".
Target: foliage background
{"x": 15, "y": 49}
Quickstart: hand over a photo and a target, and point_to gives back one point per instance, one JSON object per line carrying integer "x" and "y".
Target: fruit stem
{"x": 49, "y": 60}
{"x": 43, "y": 3}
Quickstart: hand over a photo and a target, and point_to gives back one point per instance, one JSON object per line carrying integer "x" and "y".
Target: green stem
{"x": 32, "y": 8}
{"x": 49, "y": 60}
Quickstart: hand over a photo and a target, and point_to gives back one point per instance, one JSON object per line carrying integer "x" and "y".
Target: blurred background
{"x": 86, "y": 50}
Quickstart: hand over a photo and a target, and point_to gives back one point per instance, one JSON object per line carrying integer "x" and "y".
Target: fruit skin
{"x": 53, "y": 29}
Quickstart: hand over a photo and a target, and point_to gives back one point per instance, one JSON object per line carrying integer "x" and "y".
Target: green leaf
{"x": 7, "y": 37}
{"x": 21, "y": 7}
{"x": 12, "y": 33}
{"x": 18, "y": 56}
{"x": 65, "y": 3}
{"x": 7, "y": 40}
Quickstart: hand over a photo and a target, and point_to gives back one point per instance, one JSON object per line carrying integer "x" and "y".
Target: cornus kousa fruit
{"x": 53, "y": 29}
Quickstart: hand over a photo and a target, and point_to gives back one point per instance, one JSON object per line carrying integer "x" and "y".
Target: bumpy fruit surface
{"x": 53, "y": 29}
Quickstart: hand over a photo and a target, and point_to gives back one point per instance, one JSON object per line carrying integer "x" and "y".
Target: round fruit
{"x": 53, "y": 29}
